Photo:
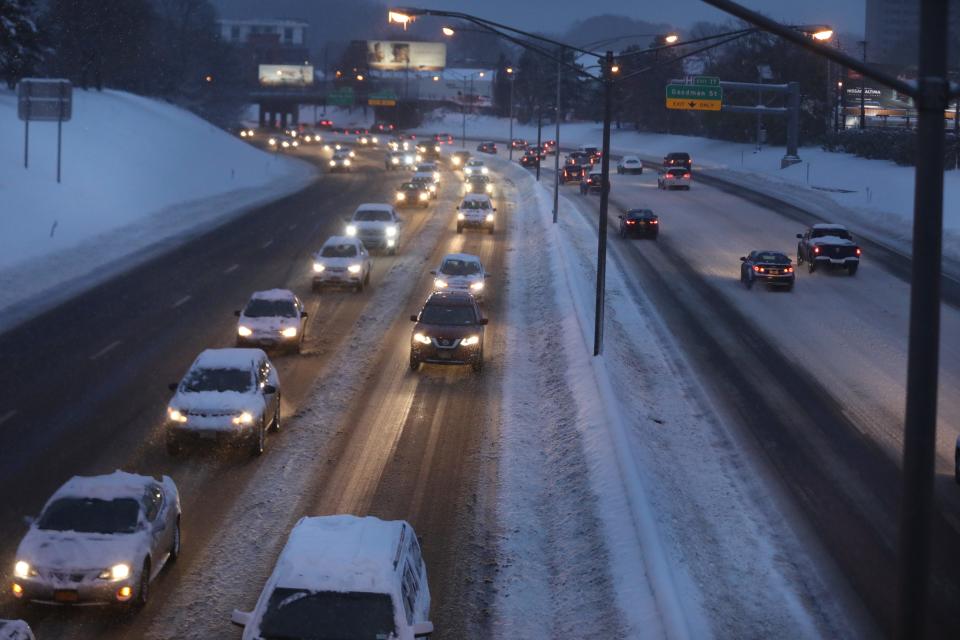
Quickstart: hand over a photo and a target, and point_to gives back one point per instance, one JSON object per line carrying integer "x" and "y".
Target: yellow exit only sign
{"x": 692, "y": 104}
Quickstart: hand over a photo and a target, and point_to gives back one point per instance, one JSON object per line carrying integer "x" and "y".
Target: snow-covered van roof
{"x": 228, "y": 358}
{"x": 118, "y": 484}
{"x": 476, "y": 196}
{"x": 466, "y": 257}
{"x": 273, "y": 294}
{"x": 343, "y": 553}
{"x": 830, "y": 226}
{"x": 374, "y": 206}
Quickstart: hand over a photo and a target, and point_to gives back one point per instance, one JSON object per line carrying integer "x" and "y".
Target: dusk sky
{"x": 556, "y": 15}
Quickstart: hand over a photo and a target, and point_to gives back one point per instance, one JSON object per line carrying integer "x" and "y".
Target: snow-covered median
{"x": 137, "y": 173}
{"x": 627, "y": 507}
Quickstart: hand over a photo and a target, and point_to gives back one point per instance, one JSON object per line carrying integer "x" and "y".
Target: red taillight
{"x": 756, "y": 268}
{"x": 630, "y": 221}
{"x": 654, "y": 222}
{"x": 816, "y": 249}
{"x": 669, "y": 176}
{"x": 789, "y": 269}
{"x": 858, "y": 251}
{"x": 686, "y": 175}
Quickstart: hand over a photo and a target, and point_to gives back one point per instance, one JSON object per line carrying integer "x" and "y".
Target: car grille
{"x": 446, "y": 343}
{"x": 336, "y": 269}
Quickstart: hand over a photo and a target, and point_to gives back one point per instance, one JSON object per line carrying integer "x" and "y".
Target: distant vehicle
{"x": 429, "y": 167}
{"x": 368, "y": 139}
{"x": 15, "y": 630}
{"x": 459, "y": 158}
{"x": 339, "y": 146}
{"x": 99, "y": 540}
{"x": 592, "y": 153}
{"x": 475, "y": 166}
{"x": 461, "y": 272}
{"x": 674, "y": 179}
{"x": 325, "y": 124}
{"x": 487, "y": 147}
{"x": 678, "y": 159}
{"x": 550, "y": 146}
{"x": 429, "y": 150}
{"x": 572, "y": 173}
{"x": 413, "y": 194}
{"x": 770, "y": 267}
{"x": 443, "y": 138}
{"x": 630, "y": 164}
{"x": 341, "y": 161}
{"x": 344, "y": 576}
{"x": 243, "y": 132}
{"x": 278, "y": 142}
{"x": 476, "y": 211}
{"x": 529, "y": 159}
{"x": 383, "y": 127}
{"x": 828, "y": 244}
{"x": 642, "y": 223}
{"x": 272, "y": 318}
{"x": 426, "y": 179}
{"x": 519, "y": 143}
{"x": 377, "y": 226}
{"x": 342, "y": 261}
{"x": 396, "y": 160}
{"x": 592, "y": 181}
{"x": 540, "y": 152}
{"x": 227, "y": 394}
{"x": 478, "y": 183}
{"x": 448, "y": 330}
{"x": 310, "y": 136}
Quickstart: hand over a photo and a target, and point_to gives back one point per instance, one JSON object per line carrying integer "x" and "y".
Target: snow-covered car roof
{"x": 422, "y": 175}
{"x": 465, "y": 257}
{"x": 829, "y": 227}
{"x": 342, "y": 553}
{"x": 15, "y": 630}
{"x": 630, "y": 159}
{"x": 334, "y": 240}
{"x": 231, "y": 358}
{"x": 113, "y": 486}
{"x": 476, "y": 196}
{"x": 474, "y": 162}
{"x": 374, "y": 206}
{"x": 274, "y": 294}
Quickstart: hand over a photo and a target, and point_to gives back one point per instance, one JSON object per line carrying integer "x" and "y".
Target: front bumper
{"x": 379, "y": 241}
{"x": 211, "y": 429}
{"x": 476, "y": 223}
{"x": 433, "y": 354}
{"x": 74, "y": 588}
{"x": 332, "y": 278}
{"x": 266, "y": 340}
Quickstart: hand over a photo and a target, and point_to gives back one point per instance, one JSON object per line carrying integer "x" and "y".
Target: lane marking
{"x": 268, "y": 243}
{"x": 107, "y": 349}
{"x": 181, "y": 301}
{"x": 231, "y": 269}
{"x": 8, "y": 415}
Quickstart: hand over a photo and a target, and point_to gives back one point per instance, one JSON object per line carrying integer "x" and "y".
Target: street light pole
{"x": 863, "y": 90}
{"x": 510, "y": 141}
{"x": 556, "y": 147}
{"x": 539, "y": 135}
{"x": 463, "y": 113}
{"x": 604, "y": 201}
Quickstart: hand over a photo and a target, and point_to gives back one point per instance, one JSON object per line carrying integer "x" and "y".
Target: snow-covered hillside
{"x": 136, "y": 172}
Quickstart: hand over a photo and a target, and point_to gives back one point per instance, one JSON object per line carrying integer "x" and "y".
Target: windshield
{"x": 297, "y": 614}
{"x": 460, "y": 268}
{"x": 475, "y": 163}
{"x": 640, "y": 213}
{"x": 200, "y": 379}
{"x": 372, "y": 215}
{"x": 91, "y": 515}
{"x": 836, "y": 233}
{"x": 450, "y": 315}
{"x": 475, "y": 204}
{"x": 411, "y": 186}
{"x": 771, "y": 256}
{"x": 260, "y": 308}
{"x": 338, "y": 251}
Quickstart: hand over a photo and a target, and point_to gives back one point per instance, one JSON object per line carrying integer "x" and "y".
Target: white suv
{"x": 272, "y": 318}
{"x": 377, "y": 226}
{"x": 341, "y": 262}
{"x": 461, "y": 272}
{"x": 477, "y": 211}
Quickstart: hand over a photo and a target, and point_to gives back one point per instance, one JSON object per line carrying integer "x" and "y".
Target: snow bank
{"x": 136, "y": 173}
{"x": 873, "y": 196}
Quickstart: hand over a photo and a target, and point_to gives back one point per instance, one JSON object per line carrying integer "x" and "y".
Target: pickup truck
{"x": 828, "y": 245}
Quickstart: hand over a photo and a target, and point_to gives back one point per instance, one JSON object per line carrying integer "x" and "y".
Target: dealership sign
{"x": 391, "y": 55}
{"x": 291, "y": 75}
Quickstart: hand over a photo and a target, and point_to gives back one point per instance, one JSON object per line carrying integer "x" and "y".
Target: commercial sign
{"x": 382, "y": 99}
{"x": 693, "y": 97}
{"x": 286, "y": 75}
{"x": 392, "y": 55}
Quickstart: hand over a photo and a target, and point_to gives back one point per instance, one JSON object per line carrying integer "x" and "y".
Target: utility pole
{"x": 463, "y": 112}
{"x": 556, "y": 147}
{"x": 863, "y": 90}
{"x": 539, "y": 131}
{"x": 513, "y": 76}
{"x": 604, "y": 202}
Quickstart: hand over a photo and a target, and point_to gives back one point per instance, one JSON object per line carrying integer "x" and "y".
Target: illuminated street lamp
{"x": 671, "y": 38}
{"x": 447, "y": 31}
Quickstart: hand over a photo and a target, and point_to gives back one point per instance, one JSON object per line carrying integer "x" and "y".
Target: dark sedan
{"x": 530, "y": 159}
{"x": 413, "y": 194}
{"x": 639, "y": 223}
{"x": 448, "y": 330}
{"x": 572, "y": 173}
{"x": 487, "y": 147}
{"x": 771, "y": 267}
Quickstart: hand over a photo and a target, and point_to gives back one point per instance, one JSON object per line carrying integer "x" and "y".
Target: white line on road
{"x": 267, "y": 244}
{"x": 231, "y": 269}
{"x": 8, "y": 415}
{"x": 181, "y": 301}
{"x": 107, "y": 349}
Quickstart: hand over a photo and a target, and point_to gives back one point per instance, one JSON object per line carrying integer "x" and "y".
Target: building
{"x": 893, "y": 28}
{"x": 290, "y": 33}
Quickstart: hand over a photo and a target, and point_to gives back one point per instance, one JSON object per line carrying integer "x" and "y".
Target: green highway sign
{"x": 710, "y": 81}
{"x": 693, "y": 92}
{"x": 342, "y": 96}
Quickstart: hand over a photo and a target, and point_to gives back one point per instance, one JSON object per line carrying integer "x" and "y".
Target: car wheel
{"x": 749, "y": 282}
{"x": 492, "y": 229}
{"x": 275, "y": 425}
{"x": 799, "y": 256}
{"x": 459, "y": 229}
{"x": 852, "y": 269}
{"x": 175, "y": 547}
{"x": 366, "y": 279}
{"x": 812, "y": 266}
{"x": 790, "y": 287}
{"x": 259, "y": 440}
{"x": 315, "y": 286}
{"x": 173, "y": 446}
{"x": 478, "y": 365}
{"x": 640, "y": 172}
{"x": 143, "y": 589}
{"x": 414, "y": 364}
{"x": 359, "y": 287}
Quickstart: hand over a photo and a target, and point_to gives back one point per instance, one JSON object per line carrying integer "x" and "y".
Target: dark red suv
{"x": 448, "y": 330}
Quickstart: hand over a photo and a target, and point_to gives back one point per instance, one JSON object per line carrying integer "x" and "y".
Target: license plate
{"x": 65, "y": 595}
{"x": 444, "y": 355}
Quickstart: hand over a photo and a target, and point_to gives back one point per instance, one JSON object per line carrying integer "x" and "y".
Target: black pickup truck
{"x": 828, "y": 245}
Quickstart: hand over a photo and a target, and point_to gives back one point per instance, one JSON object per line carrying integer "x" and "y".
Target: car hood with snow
{"x": 835, "y": 241}
{"x": 217, "y": 403}
{"x": 73, "y": 551}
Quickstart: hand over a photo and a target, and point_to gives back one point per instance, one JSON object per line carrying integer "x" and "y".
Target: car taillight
{"x": 789, "y": 269}
{"x": 654, "y": 222}
{"x": 816, "y": 249}
{"x": 669, "y": 176}
{"x": 756, "y": 268}
{"x": 630, "y": 221}
{"x": 686, "y": 175}
{"x": 858, "y": 251}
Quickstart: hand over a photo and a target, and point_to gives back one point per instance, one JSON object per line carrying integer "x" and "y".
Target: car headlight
{"x": 243, "y": 134}
{"x": 418, "y": 158}
{"x": 489, "y": 188}
{"x": 489, "y": 217}
{"x": 436, "y": 148}
{"x": 433, "y": 188}
{"x": 272, "y": 142}
{"x": 469, "y": 341}
{"x": 285, "y": 144}
{"x": 244, "y": 418}
{"x": 295, "y": 143}
{"x": 307, "y": 138}
{"x": 333, "y": 163}
{"x": 422, "y": 339}
{"x": 318, "y": 267}
{"x": 460, "y": 216}
{"x": 346, "y": 162}
{"x": 484, "y": 170}
{"x": 289, "y": 332}
{"x": 337, "y": 147}
{"x": 354, "y": 268}
{"x": 401, "y": 196}
{"x": 440, "y": 284}
{"x": 436, "y": 176}
{"x": 353, "y": 155}
{"x": 424, "y": 195}
{"x": 477, "y": 286}
{"x": 23, "y": 570}
{"x": 116, "y": 572}
{"x": 374, "y": 140}
{"x": 351, "y": 230}
{"x": 176, "y": 415}
{"x": 468, "y": 170}
{"x": 391, "y": 232}
{"x": 394, "y": 160}
{"x": 456, "y": 161}
{"x": 244, "y": 331}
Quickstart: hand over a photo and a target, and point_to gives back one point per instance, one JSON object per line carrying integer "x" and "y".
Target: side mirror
{"x": 800, "y": 235}
{"x": 240, "y": 618}
{"x": 494, "y": 208}
{"x": 742, "y": 259}
{"x": 269, "y": 389}
{"x": 423, "y": 630}
{"x": 29, "y": 520}
{"x": 173, "y": 386}
{"x": 237, "y": 313}
{"x": 304, "y": 314}
{"x": 413, "y": 318}
{"x": 484, "y": 320}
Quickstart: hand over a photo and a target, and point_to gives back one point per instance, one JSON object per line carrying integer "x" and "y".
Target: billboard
{"x": 289, "y": 75}
{"x": 391, "y": 55}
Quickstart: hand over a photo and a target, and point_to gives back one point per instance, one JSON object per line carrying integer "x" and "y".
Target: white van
{"x": 344, "y": 577}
